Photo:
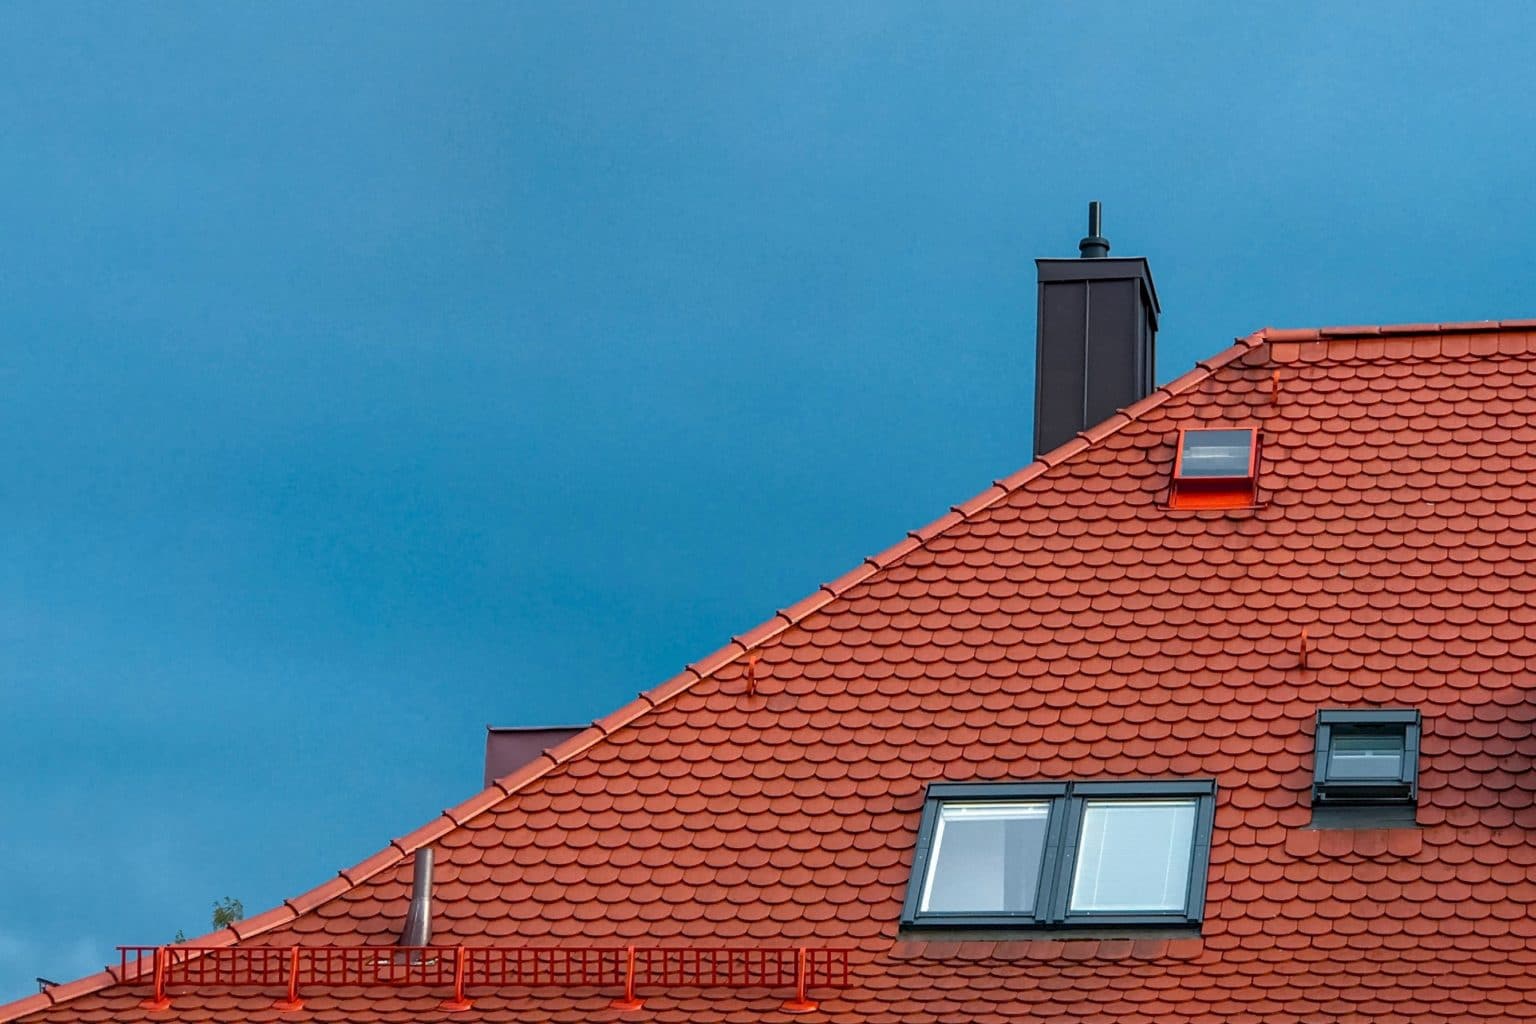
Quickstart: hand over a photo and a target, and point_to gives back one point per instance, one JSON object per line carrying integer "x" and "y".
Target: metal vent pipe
{"x": 418, "y": 920}
{"x": 1095, "y": 246}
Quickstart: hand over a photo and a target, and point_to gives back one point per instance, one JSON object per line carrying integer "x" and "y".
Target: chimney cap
{"x": 1095, "y": 246}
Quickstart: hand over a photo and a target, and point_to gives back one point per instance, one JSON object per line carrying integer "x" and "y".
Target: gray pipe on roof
{"x": 418, "y": 920}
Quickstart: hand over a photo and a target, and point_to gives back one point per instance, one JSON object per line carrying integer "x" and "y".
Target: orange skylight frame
{"x": 1238, "y": 489}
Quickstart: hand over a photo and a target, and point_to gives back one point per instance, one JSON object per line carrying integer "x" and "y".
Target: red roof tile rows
{"x": 1063, "y": 624}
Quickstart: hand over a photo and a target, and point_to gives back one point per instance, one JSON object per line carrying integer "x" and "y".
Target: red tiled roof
{"x": 1062, "y": 624}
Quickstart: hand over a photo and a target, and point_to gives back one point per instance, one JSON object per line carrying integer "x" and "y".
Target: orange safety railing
{"x": 300, "y": 969}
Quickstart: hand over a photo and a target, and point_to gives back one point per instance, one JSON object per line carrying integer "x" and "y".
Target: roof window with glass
{"x": 1215, "y": 469}
{"x": 1062, "y": 854}
{"x": 1366, "y": 758}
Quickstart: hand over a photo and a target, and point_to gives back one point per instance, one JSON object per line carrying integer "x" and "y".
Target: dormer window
{"x": 1216, "y": 468}
{"x": 1367, "y": 757}
{"x": 1061, "y": 854}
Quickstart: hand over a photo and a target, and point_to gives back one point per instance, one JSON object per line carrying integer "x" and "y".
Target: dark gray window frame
{"x": 1404, "y": 790}
{"x": 1063, "y": 829}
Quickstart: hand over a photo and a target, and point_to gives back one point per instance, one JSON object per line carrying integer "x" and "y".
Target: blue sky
{"x": 375, "y": 372}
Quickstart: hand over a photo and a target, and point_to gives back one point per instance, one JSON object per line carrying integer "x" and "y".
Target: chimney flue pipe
{"x": 418, "y": 920}
{"x": 1095, "y": 246}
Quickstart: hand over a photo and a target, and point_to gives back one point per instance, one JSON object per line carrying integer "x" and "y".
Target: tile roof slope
{"x": 1059, "y": 625}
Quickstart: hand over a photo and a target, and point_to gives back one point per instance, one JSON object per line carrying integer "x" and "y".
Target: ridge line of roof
{"x": 1373, "y": 331}
{"x": 780, "y": 622}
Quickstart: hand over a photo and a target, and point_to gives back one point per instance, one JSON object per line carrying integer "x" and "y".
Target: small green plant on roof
{"x": 225, "y": 913}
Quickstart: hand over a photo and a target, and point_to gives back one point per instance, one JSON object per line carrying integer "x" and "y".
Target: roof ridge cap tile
{"x": 1394, "y": 329}
{"x": 56, "y": 995}
{"x": 326, "y": 891}
{"x": 980, "y": 501}
{"x": 35, "y": 1003}
{"x": 923, "y": 534}
{"x": 1064, "y": 451}
{"x": 1294, "y": 334}
{"x": 1375, "y": 330}
{"x": 1351, "y": 331}
{"x": 1103, "y": 429}
{"x": 484, "y": 800}
{"x": 370, "y": 866}
{"x": 1185, "y": 382}
{"x": 763, "y": 631}
{"x": 1225, "y": 357}
{"x": 425, "y": 835}
{"x": 267, "y": 919}
{"x": 908, "y": 544}
{"x": 850, "y": 579}
{"x": 1471, "y": 326}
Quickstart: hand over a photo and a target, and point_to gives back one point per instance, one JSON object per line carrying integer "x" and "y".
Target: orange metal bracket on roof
{"x": 292, "y": 1000}
{"x": 799, "y": 1004}
{"x": 458, "y": 1003}
{"x": 628, "y": 1000}
{"x": 158, "y": 1001}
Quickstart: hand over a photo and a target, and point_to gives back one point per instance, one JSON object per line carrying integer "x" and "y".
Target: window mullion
{"x": 1061, "y": 854}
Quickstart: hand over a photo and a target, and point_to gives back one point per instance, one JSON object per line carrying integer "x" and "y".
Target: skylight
{"x": 1367, "y": 756}
{"x": 1215, "y": 468}
{"x": 1080, "y": 853}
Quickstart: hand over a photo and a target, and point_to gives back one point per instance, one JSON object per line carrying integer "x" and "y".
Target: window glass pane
{"x": 986, "y": 857}
{"x": 1216, "y": 452}
{"x": 1133, "y": 855}
{"x": 1365, "y": 754}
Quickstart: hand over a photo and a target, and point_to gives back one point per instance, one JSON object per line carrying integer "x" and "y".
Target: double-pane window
{"x": 1020, "y": 854}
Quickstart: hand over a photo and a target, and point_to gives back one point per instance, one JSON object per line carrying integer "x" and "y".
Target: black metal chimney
{"x": 1096, "y": 337}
